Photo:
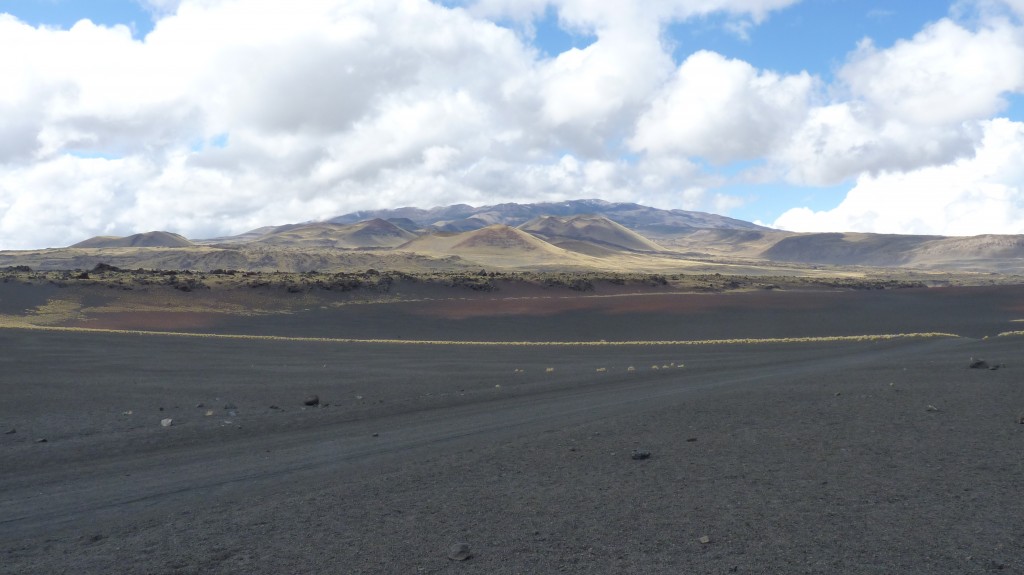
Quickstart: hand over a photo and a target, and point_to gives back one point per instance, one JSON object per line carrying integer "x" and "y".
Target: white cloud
{"x": 912, "y": 105}
{"x": 233, "y": 114}
{"x": 723, "y": 110}
{"x": 982, "y": 194}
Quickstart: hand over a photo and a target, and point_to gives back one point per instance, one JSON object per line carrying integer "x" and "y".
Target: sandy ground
{"x": 817, "y": 457}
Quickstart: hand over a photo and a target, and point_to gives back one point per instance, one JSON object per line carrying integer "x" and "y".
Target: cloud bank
{"x": 234, "y": 114}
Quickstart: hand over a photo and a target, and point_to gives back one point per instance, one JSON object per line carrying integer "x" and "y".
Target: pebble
{"x": 704, "y": 540}
{"x": 42, "y": 440}
{"x": 311, "y": 400}
{"x": 13, "y": 431}
{"x": 459, "y": 552}
{"x": 230, "y": 406}
{"x": 638, "y": 454}
{"x": 166, "y": 422}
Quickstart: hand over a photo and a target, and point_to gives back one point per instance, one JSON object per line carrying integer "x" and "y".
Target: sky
{"x": 215, "y": 117}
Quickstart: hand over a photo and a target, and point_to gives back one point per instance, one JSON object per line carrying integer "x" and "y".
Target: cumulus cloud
{"x": 234, "y": 114}
{"x": 723, "y": 110}
{"x": 911, "y": 105}
{"x": 976, "y": 195}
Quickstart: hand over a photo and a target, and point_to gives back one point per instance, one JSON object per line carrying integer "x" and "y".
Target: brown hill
{"x": 502, "y": 246}
{"x": 986, "y": 253}
{"x": 592, "y": 229}
{"x": 143, "y": 240}
{"x": 375, "y": 233}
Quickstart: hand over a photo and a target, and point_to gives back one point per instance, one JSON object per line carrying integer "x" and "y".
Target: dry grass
{"x": 19, "y": 323}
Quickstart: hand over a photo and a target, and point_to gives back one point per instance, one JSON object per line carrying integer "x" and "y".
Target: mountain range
{"x": 571, "y": 235}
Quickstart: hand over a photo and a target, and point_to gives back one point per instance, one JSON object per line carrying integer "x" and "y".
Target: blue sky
{"x": 765, "y": 110}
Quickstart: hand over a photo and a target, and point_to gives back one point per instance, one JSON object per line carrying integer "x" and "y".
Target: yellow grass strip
{"x": 837, "y": 338}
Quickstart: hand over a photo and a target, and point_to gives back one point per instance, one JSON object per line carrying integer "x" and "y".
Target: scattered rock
{"x": 42, "y": 440}
{"x": 209, "y": 413}
{"x": 230, "y": 407}
{"x": 376, "y": 435}
{"x": 704, "y": 540}
{"x": 166, "y": 422}
{"x": 978, "y": 364}
{"x": 639, "y": 454}
{"x": 200, "y": 406}
{"x": 1020, "y": 420}
{"x": 311, "y": 400}
{"x": 931, "y": 408}
{"x": 691, "y": 439}
{"x": 12, "y": 431}
{"x": 459, "y": 552}
{"x": 129, "y": 412}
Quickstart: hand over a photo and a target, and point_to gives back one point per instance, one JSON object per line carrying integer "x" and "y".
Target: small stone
{"x": 274, "y": 407}
{"x": 704, "y": 540}
{"x": 376, "y": 435}
{"x": 41, "y": 440}
{"x": 209, "y": 412}
{"x": 459, "y": 552}
{"x": 638, "y": 454}
{"x": 691, "y": 439}
{"x": 11, "y": 431}
{"x": 978, "y": 364}
{"x": 129, "y": 412}
{"x": 166, "y": 422}
{"x": 200, "y": 406}
{"x": 1020, "y": 420}
{"x": 230, "y": 407}
{"x": 311, "y": 400}
{"x": 931, "y": 408}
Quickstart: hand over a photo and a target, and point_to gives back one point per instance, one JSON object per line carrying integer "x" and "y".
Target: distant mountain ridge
{"x": 577, "y": 234}
{"x": 462, "y": 217}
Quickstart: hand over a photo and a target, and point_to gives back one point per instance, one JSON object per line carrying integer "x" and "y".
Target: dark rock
{"x": 200, "y": 406}
{"x": 978, "y": 364}
{"x": 459, "y": 552}
{"x": 11, "y": 431}
{"x": 230, "y": 406}
{"x": 691, "y": 439}
{"x": 41, "y": 440}
{"x": 311, "y": 400}
{"x": 638, "y": 454}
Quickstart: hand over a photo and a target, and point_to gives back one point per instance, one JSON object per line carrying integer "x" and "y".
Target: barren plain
{"x": 792, "y": 425}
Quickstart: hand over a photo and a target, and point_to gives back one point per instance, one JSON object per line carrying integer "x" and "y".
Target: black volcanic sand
{"x": 561, "y": 316}
{"x": 850, "y": 457}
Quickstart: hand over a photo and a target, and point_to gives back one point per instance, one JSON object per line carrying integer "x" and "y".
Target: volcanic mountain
{"x": 144, "y": 240}
{"x": 585, "y": 232}
{"x": 498, "y": 245}
{"x": 462, "y": 217}
{"x": 375, "y": 233}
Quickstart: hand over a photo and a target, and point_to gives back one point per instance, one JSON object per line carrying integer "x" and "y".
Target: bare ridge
{"x": 143, "y": 240}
